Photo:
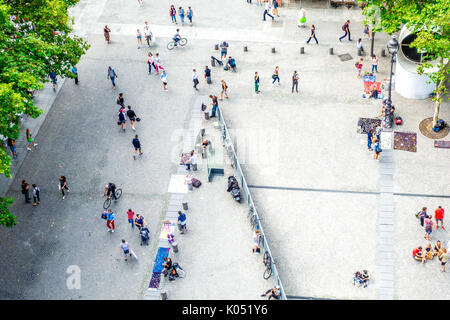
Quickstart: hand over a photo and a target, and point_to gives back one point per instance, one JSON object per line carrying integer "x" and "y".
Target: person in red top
{"x": 418, "y": 255}
{"x": 130, "y": 214}
{"x": 439, "y": 216}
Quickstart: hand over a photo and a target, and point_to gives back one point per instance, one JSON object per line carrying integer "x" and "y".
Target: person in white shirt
{"x": 266, "y": 11}
{"x": 147, "y": 33}
{"x": 359, "y": 45}
{"x": 374, "y": 63}
{"x": 163, "y": 78}
{"x": 195, "y": 79}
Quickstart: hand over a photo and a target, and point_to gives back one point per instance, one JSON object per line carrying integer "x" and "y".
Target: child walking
{"x": 30, "y": 140}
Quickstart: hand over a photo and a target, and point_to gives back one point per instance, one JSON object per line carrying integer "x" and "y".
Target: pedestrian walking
{"x": 266, "y": 11}
{"x": 439, "y": 216}
{"x": 223, "y": 50}
{"x": 122, "y": 118}
{"x": 181, "y": 15}
{"x": 374, "y": 63}
{"x": 359, "y": 46}
{"x": 224, "y": 89}
{"x": 36, "y": 192}
{"x": 137, "y": 146}
{"x": 132, "y": 116}
{"x": 150, "y": 62}
{"x": 125, "y": 249}
{"x": 444, "y": 259}
{"x": 359, "y": 66}
{"x": 378, "y": 131}
{"x": 63, "y": 186}
{"x": 139, "y": 38}
{"x": 422, "y": 215}
{"x": 26, "y": 191}
{"x": 106, "y": 32}
{"x": 275, "y": 7}
{"x": 75, "y": 72}
{"x": 112, "y": 75}
{"x": 163, "y": 78}
{"x": 366, "y": 31}
{"x": 173, "y": 14}
{"x": 214, "y": 104}
{"x": 207, "y": 74}
{"x": 139, "y": 3}
{"x": 157, "y": 63}
{"x": 428, "y": 227}
{"x": 120, "y": 100}
{"x": 147, "y": 33}
{"x": 182, "y": 221}
{"x": 130, "y": 215}
{"x": 313, "y": 34}
{"x": 346, "y": 29}
{"x": 30, "y": 140}
{"x": 12, "y": 146}
{"x": 295, "y": 78}
{"x": 190, "y": 14}
{"x": 256, "y": 82}
{"x": 369, "y": 140}
{"x": 110, "y": 220}
{"x": 195, "y": 79}
{"x": 53, "y": 79}
{"x": 376, "y": 148}
{"x": 259, "y": 2}
{"x": 275, "y": 76}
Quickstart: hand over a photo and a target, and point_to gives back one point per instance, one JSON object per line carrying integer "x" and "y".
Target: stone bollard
{"x": 213, "y": 63}
{"x": 208, "y": 80}
{"x": 245, "y": 49}
{"x": 360, "y": 52}
{"x": 383, "y": 53}
{"x": 202, "y": 132}
{"x": 194, "y": 167}
{"x": 331, "y": 51}
{"x": 273, "y": 50}
{"x": 163, "y": 295}
{"x": 185, "y": 205}
{"x": 174, "y": 246}
{"x": 206, "y": 115}
{"x": 302, "y": 50}
{"x": 189, "y": 188}
{"x": 216, "y": 47}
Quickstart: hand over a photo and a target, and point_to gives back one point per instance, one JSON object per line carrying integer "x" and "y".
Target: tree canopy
{"x": 35, "y": 40}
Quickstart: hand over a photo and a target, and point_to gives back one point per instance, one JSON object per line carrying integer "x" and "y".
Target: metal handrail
{"x": 251, "y": 204}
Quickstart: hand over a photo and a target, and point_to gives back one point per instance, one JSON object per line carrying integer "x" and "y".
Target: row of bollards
{"x": 302, "y": 51}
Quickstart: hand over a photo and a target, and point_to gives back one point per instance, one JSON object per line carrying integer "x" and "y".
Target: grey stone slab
{"x": 386, "y": 228}
{"x": 163, "y": 243}
{"x": 178, "y": 196}
{"x": 386, "y": 255}
{"x": 174, "y": 208}
{"x": 386, "y": 248}
{"x": 386, "y": 276}
{"x": 385, "y": 269}
{"x": 386, "y": 234}
{"x": 386, "y": 262}
{"x": 386, "y": 296}
{"x": 386, "y": 241}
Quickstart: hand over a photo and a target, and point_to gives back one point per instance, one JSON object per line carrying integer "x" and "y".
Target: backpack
{"x": 343, "y": 27}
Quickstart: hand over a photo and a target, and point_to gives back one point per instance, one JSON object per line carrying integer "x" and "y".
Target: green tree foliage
{"x": 429, "y": 20}
{"x": 35, "y": 40}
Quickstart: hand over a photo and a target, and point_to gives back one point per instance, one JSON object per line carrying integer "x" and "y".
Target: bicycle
{"x": 267, "y": 260}
{"x": 182, "y": 42}
{"x": 107, "y": 202}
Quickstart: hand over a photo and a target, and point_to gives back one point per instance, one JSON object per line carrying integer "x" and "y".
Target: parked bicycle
{"x": 267, "y": 260}
{"x": 182, "y": 42}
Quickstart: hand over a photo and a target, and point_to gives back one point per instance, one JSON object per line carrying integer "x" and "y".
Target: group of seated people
{"x": 422, "y": 255}
{"x": 361, "y": 277}
{"x": 188, "y": 159}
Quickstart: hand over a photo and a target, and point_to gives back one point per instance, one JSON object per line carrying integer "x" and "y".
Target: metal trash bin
{"x": 174, "y": 246}
{"x": 194, "y": 167}
{"x": 185, "y": 204}
{"x": 189, "y": 188}
{"x": 206, "y": 115}
{"x": 208, "y": 80}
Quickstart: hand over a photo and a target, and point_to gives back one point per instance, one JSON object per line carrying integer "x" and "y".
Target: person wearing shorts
{"x": 139, "y": 38}
{"x": 444, "y": 259}
{"x": 224, "y": 90}
{"x": 137, "y": 146}
{"x": 428, "y": 227}
{"x": 439, "y": 216}
{"x": 182, "y": 221}
{"x": 125, "y": 249}
{"x": 132, "y": 116}
{"x": 223, "y": 50}
{"x": 163, "y": 78}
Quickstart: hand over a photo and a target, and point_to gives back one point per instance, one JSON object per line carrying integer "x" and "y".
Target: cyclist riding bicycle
{"x": 177, "y": 37}
{"x": 110, "y": 190}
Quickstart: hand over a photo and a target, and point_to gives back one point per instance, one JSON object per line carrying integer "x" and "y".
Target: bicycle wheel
{"x": 118, "y": 193}
{"x": 266, "y": 259}
{"x": 107, "y": 203}
{"x": 170, "y": 45}
{"x": 183, "y": 41}
{"x": 267, "y": 273}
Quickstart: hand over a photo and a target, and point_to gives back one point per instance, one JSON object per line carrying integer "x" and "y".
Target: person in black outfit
{"x": 167, "y": 266}
{"x": 63, "y": 185}
{"x": 137, "y": 146}
{"x": 120, "y": 99}
{"x": 26, "y": 191}
{"x": 132, "y": 116}
{"x": 207, "y": 74}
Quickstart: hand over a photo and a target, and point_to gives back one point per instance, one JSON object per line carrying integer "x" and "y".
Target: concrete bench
{"x": 214, "y": 159}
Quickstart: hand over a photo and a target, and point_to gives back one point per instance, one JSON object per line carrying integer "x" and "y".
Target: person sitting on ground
{"x": 429, "y": 253}
{"x": 374, "y": 92}
{"x": 231, "y": 64}
{"x": 437, "y": 248}
{"x": 176, "y": 37}
{"x": 365, "y": 278}
{"x": 418, "y": 255}
{"x": 167, "y": 266}
{"x": 357, "y": 279}
{"x": 274, "y": 293}
{"x": 139, "y": 221}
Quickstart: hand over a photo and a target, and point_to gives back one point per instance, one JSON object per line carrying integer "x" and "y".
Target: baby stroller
{"x": 145, "y": 235}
